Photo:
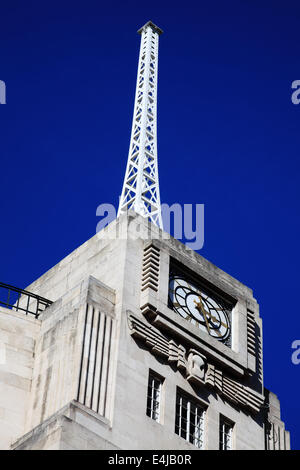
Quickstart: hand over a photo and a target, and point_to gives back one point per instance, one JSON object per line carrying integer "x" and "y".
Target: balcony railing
{"x": 22, "y": 300}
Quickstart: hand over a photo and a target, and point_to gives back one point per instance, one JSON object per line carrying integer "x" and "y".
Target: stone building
{"x": 134, "y": 341}
{"x": 118, "y": 362}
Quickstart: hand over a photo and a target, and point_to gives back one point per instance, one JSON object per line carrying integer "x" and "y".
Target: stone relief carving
{"x": 194, "y": 365}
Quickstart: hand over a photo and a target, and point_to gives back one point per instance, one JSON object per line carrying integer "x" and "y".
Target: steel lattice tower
{"x": 141, "y": 188}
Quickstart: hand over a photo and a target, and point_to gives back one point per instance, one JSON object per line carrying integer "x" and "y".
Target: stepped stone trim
{"x": 150, "y": 272}
{"x": 251, "y": 336}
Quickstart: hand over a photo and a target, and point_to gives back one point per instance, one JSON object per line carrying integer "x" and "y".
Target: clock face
{"x": 200, "y": 308}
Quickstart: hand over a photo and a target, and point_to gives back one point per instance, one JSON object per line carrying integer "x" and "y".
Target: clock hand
{"x": 208, "y": 317}
{"x": 216, "y": 319}
{"x": 200, "y": 308}
{"x": 206, "y": 321}
{"x": 211, "y": 316}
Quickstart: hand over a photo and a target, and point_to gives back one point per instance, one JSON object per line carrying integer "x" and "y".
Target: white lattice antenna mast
{"x": 141, "y": 189}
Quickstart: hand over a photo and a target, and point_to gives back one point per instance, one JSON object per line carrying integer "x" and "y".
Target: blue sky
{"x": 228, "y": 137}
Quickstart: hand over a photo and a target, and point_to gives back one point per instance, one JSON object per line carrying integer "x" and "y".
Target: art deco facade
{"x": 114, "y": 363}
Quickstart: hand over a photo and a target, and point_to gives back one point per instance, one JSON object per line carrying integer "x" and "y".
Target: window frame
{"x": 223, "y": 442}
{"x": 151, "y": 412}
{"x": 197, "y": 438}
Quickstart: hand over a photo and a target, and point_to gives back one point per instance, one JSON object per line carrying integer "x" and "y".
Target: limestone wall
{"x": 18, "y": 334}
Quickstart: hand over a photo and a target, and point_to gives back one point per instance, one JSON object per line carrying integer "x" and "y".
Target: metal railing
{"x": 19, "y": 299}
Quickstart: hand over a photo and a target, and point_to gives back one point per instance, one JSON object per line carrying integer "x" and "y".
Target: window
{"x": 226, "y": 428}
{"x": 154, "y": 397}
{"x": 189, "y": 420}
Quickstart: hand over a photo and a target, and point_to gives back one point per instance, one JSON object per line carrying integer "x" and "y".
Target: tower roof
{"x": 153, "y": 26}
